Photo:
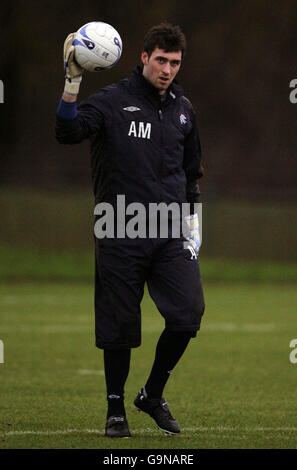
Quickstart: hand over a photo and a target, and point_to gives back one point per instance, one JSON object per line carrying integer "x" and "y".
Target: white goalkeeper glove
{"x": 194, "y": 238}
{"x": 73, "y": 71}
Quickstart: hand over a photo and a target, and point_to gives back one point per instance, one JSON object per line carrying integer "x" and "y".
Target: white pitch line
{"x": 47, "y": 329}
{"x": 234, "y": 429}
{"x": 90, "y": 372}
{"x": 216, "y": 429}
{"x": 251, "y": 327}
{"x": 83, "y": 328}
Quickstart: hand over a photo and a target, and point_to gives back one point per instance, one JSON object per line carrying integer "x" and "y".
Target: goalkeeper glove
{"x": 194, "y": 238}
{"x": 73, "y": 71}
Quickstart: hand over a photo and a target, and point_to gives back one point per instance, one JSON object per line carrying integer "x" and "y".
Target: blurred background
{"x": 240, "y": 61}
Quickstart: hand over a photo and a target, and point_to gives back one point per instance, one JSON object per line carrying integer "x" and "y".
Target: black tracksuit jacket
{"x": 141, "y": 147}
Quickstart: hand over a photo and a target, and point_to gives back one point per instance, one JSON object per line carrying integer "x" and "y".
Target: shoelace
{"x": 166, "y": 410}
{"x": 163, "y": 406}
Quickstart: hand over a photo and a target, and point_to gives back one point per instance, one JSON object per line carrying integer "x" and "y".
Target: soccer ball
{"x": 98, "y": 46}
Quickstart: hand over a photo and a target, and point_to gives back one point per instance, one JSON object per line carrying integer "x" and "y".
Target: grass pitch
{"x": 235, "y": 386}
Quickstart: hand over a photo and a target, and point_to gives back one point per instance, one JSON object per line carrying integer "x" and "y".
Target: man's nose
{"x": 166, "y": 68}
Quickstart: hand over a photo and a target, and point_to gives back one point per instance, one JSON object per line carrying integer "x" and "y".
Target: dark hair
{"x": 165, "y": 36}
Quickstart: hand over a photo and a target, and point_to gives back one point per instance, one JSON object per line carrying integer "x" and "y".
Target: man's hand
{"x": 73, "y": 71}
{"x": 194, "y": 238}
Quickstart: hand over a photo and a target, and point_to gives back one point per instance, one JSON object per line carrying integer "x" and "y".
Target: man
{"x": 144, "y": 146}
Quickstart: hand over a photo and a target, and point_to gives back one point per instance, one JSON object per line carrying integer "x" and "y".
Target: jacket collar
{"x": 140, "y": 85}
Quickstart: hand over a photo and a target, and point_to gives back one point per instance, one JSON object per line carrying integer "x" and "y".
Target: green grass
{"x": 60, "y": 265}
{"x": 63, "y": 219}
{"x": 233, "y": 388}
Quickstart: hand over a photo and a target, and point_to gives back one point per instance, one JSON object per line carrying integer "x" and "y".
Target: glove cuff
{"x": 193, "y": 221}
{"x": 72, "y": 85}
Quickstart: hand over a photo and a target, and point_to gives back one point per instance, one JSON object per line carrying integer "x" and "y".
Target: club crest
{"x": 183, "y": 118}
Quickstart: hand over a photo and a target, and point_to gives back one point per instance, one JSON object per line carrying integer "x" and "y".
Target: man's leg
{"x": 119, "y": 283}
{"x": 176, "y": 288}
{"x": 169, "y": 350}
{"x": 116, "y": 366}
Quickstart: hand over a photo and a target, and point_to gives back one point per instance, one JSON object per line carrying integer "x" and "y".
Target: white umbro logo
{"x": 131, "y": 109}
{"x": 183, "y": 119}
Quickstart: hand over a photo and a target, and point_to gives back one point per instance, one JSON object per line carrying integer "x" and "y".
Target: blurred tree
{"x": 240, "y": 60}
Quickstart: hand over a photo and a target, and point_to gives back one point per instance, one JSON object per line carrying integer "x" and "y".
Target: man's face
{"x": 161, "y": 67}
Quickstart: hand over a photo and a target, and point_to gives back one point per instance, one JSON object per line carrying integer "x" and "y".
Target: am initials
{"x": 144, "y": 130}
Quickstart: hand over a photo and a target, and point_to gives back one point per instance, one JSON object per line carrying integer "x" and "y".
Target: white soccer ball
{"x": 98, "y": 46}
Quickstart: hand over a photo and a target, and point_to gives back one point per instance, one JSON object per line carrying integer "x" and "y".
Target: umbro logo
{"x": 131, "y": 109}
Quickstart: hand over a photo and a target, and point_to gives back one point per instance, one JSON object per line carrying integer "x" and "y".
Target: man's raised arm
{"x": 73, "y": 126}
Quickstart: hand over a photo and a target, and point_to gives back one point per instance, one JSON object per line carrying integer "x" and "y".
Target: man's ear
{"x": 144, "y": 58}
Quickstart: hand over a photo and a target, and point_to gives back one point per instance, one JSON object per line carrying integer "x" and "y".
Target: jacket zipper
{"x": 160, "y": 114}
